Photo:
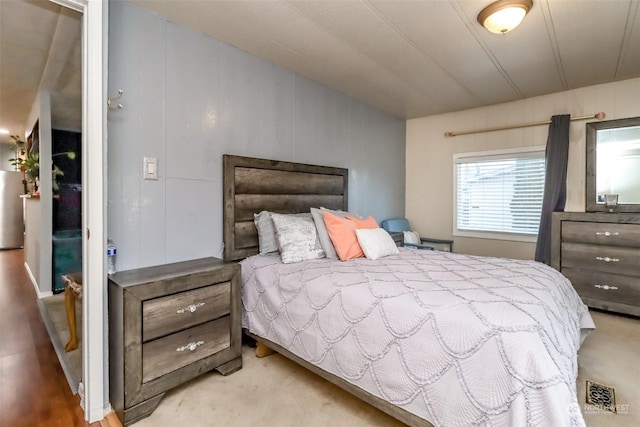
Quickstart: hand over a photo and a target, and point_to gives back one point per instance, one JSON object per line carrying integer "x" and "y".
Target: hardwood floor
{"x": 33, "y": 388}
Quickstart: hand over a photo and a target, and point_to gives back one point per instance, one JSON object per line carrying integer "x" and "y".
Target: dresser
{"x": 600, "y": 254}
{"x": 167, "y": 325}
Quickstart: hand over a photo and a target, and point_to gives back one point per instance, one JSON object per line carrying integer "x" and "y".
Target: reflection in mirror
{"x": 618, "y": 164}
{"x": 613, "y": 165}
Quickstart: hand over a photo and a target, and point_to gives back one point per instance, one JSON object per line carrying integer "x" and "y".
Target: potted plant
{"x": 32, "y": 169}
{"x": 18, "y": 161}
{"x": 30, "y": 166}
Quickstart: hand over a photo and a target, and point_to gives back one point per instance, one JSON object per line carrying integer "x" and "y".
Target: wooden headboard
{"x": 252, "y": 185}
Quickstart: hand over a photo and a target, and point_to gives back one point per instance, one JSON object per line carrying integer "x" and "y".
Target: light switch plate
{"x": 150, "y": 165}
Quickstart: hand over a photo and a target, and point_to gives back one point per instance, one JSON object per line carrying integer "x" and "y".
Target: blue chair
{"x": 400, "y": 225}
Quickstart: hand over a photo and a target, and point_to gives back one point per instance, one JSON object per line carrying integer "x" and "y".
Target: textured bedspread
{"x": 458, "y": 340}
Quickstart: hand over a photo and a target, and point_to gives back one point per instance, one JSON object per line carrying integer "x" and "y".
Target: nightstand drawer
{"x": 172, "y": 313}
{"x": 164, "y": 355}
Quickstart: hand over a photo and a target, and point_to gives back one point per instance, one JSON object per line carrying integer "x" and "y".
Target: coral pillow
{"x": 342, "y": 232}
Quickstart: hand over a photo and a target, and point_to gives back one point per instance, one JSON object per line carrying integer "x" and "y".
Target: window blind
{"x": 500, "y": 193}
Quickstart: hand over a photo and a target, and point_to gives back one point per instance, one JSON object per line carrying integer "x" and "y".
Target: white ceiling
{"x": 417, "y": 58}
{"x": 410, "y": 58}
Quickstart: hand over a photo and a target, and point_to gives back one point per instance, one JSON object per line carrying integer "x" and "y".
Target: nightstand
{"x": 167, "y": 325}
{"x": 398, "y": 237}
{"x": 444, "y": 245}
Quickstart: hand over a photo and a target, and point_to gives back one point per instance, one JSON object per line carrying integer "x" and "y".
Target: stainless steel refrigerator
{"x": 11, "y": 219}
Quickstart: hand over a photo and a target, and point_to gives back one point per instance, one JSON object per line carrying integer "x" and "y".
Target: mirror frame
{"x": 591, "y": 146}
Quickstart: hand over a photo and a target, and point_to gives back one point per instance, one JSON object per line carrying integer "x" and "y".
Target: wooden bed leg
{"x": 70, "y": 305}
{"x": 262, "y": 350}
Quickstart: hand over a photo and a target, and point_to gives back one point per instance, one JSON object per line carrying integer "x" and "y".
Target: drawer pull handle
{"x": 191, "y": 308}
{"x": 607, "y": 259}
{"x": 606, "y": 287}
{"x": 191, "y": 346}
{"x": 607, "y": 233}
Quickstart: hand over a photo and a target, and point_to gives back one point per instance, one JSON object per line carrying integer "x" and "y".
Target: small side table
{"x": 167, "y": 325}
{"x": 444, "y": 245}
{"x": 398, "y": 237}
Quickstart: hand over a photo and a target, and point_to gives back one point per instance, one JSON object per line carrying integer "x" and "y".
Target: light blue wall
{"x": 188, "y": 99}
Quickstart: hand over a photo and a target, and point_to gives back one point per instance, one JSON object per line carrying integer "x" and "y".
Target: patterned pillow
{"x": 267, "y": 240}
{"x": 297, "y": 238}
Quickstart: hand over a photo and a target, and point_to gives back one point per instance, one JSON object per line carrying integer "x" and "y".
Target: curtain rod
{"x": 598, "y": 116}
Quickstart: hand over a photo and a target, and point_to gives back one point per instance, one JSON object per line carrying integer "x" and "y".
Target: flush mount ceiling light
{"x": 504, "y": 15}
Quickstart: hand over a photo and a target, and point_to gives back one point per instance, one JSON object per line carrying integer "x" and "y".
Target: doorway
{"x": 94, "y": 33}
{"x": 95, "y": 351}
{"x": 49, "y": 66}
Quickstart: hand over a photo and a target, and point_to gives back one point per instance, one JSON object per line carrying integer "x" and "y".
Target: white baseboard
{"x": 34, "y": 282}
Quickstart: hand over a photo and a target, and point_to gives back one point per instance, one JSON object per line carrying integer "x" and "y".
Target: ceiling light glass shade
{"x": 504, "y": 15}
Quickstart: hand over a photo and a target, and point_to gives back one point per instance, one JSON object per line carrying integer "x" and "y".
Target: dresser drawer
{"x": 605, "y": 287}
{"x": 599, "y": 233}
{"x": 172, "y": 352}
{"x": 172, "y": 313}
{"x": 610, "y": 259}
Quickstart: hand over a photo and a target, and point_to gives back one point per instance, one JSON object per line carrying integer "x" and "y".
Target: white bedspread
{"x": 457, "y": 340}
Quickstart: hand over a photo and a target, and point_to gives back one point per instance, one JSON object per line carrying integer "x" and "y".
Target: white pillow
{"x": 297, "y": 238}
{"x": 411, "y": 237}
{"x": 376, "y": 242}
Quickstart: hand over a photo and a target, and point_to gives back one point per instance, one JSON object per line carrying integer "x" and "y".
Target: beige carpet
{"x": 272, "y": 391}
{"x": 55, "y": 316}
{"x": 276, "y": 392}
{"x": 610, "y": 355}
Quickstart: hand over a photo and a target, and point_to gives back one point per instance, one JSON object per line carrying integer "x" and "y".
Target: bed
{"x": 429, "y": 337}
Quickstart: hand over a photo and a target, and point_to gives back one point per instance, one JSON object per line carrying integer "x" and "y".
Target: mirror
{"x": 613, "y": 165}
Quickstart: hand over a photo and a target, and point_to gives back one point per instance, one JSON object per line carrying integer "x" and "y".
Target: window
{"x": 498, "y": 194}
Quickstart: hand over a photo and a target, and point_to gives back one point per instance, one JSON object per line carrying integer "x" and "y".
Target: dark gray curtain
{"x": 555, "y": 187}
